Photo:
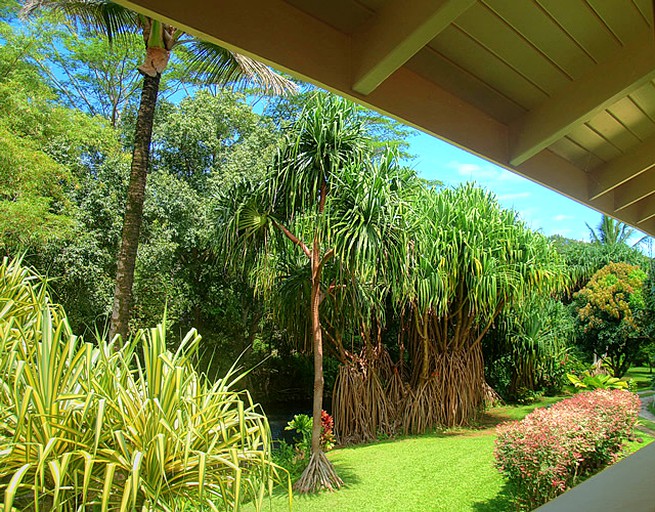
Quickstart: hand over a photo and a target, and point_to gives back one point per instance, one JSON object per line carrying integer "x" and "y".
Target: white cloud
{"x": 561, "y": 217}
{"x": 487, "y": 172}
{"x": 465, "y": 169}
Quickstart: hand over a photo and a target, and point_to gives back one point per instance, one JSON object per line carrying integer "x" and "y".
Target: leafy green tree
{"x": 197, "y": 140}
{"x": 610, "y": 315}
{"x": 584, "y": 259}
{"x": 47, "y": 149}
{"x": 83, "y": 68}
{"x": 211, "y": 62}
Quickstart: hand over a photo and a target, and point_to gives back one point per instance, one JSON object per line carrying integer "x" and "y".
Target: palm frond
{"x": 108, "y": 18}
{"x": 216, "y": 65}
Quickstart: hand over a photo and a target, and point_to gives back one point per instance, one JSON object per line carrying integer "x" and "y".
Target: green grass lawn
{"x": 641, "y": 375}
{"x": 650, "y": 425}
{"x": 450, "y": 472}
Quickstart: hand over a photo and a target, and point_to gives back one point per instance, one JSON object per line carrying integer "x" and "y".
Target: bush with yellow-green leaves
{"x": 98, "y": 426}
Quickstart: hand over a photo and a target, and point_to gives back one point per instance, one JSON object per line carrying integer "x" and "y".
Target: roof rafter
{"x": 625, "y": 70}
{"x": 320, "y": 54}
{"x": 634, "y": 190}
{"x": 396, "y": 34}
{"x": 640, "y": 212}
{"x": 619, "y": 171}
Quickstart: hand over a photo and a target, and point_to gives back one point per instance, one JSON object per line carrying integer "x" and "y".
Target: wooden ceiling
{"x": 559, "y": 91}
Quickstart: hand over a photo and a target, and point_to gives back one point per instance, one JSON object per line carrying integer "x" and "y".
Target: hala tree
{"x": 610, "y": 313}
{"x": 291, "y": 205}
{"x": 209, "y": 62}
{"x": 470, "y": 259}
{"x": 528, "y": 346}
{"x": 299, "y": 236}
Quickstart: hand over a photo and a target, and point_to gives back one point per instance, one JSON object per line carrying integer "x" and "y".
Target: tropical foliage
{"x": 206, "y": 61}
{"x": 552, "y": 449}
{"x": 609, "y": 315}
{"x": 600, "y": 381}
{"x": 283, "y": 231}
{"x": 294, "y": 230}
{"x": 472, "y": 259}
{"x": 529, "y": 348}
{"x": 119, "y": 427}
{"x": 610, "y": 231}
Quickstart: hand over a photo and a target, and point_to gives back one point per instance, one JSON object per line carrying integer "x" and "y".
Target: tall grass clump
{"x": 551, "y": 450}
{"x": 98, "y": 426}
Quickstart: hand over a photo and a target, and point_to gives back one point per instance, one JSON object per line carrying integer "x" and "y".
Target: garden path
{"x": 645, "y": 400}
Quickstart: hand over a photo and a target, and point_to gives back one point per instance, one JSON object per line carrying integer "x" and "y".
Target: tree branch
{"x": 293, "y": 238}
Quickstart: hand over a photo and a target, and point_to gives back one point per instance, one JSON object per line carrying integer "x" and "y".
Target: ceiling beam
{"x": 549, "y": 169}
{"x": 634, "y": 190}
{"x": 397, "y": 32}
{"x": 625, "y": 70}
{"x": 619, "y": 171}
{"x": 287, "y": 38}
{"x": 641, "y": 212}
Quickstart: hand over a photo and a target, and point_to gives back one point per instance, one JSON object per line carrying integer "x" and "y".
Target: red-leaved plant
{"x": 548, "y": 451}
{"x": 327, "y": 432}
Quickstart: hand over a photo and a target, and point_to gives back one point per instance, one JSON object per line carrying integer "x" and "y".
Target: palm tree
{"x": 210, "y": 62}
{"x": 611, "y": 231}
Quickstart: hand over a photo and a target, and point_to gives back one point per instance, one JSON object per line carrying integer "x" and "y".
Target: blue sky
{"x": 541, "y": 208}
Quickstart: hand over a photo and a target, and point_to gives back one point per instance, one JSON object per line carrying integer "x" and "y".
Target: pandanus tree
{"x": 301, "y": 237}
{"x": 211, "y": 64}
{"x": 471, "y": 258}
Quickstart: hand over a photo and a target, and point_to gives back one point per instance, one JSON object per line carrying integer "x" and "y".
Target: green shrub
{"x": 590, "y": 382}
{"x": 550, "y": 450}
{"x": 295, "y": 457}
{"x": 86, "y": 424}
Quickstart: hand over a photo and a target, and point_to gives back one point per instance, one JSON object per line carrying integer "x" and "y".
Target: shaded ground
{"x": 641, "y": 375}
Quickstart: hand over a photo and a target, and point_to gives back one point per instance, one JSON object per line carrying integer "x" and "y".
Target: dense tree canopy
{"x": 610, "y": 309}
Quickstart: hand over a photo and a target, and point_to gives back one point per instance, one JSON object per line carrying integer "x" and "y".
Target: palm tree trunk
{"x": 120, "y": 314}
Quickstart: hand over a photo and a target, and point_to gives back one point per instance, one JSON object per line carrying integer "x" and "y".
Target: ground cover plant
{"x": 121, "y": 428}
{"x": 551, "y": 450}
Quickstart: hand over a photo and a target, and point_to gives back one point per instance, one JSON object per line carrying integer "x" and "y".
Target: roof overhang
{"x": 560, "y": 92}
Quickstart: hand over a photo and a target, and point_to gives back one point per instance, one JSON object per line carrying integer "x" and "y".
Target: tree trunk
{"x": 317, "y": 335}
{"x": 120, "y": 314}
{"x": 319, "y": 473}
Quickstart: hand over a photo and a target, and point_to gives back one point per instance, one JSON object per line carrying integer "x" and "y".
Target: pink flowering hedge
{"x": 548, "y": 451}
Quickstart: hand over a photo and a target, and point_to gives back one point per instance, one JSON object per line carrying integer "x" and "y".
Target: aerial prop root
{"x": 318, "y": 475}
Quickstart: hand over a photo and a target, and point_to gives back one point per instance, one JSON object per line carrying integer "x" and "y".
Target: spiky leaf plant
{"x": 85, "y": 425}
